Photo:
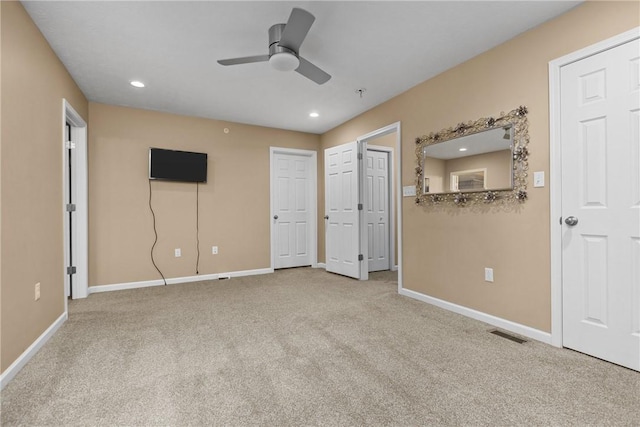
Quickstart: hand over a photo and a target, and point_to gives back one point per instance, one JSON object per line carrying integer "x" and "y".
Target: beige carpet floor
{"x": 303, "y": 347}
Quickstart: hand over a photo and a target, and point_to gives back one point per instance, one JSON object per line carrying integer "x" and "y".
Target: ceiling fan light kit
{"x": 284, "y": 48}
{"x": 284, "y": 61}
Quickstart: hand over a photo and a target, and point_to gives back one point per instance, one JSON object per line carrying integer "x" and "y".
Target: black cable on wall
{"x": 197, "y": 226}
{"x": 155, "y": 232}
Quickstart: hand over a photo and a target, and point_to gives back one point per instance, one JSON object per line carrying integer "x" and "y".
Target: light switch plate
{"x": 409, "y": 190}
{"x": 488, "y": 274}
{"x": 538, "y": 179}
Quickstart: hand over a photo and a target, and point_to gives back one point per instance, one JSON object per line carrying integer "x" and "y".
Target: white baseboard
{"x": 19, "y": 363}
{"x": 255, "y": 272}
{"x": 177, "y": 280}
{"x": 323, "y": 265}
{"x": 499, "y": 322}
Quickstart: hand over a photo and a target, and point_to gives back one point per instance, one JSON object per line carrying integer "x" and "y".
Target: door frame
{"x": 80, "y": 190}
{"x": 397, "y": 176}
{"x": 313, "y": 197}
{"x": 390, "y": 200}
{"x": 555, "y": 168}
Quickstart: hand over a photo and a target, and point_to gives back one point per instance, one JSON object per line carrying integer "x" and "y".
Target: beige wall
{"x": 34, "y": 82}
{"x": 1, "y": 365}
{"x": 234, "y": 203}
{"x": 446, "y": 250}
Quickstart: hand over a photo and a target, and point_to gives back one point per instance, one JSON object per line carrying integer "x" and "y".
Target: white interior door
{"x": 342, "y": 225}
{"x": 293, "y": 209}
{"x": 600, "y": 130}
{"x": 377, "y": 211}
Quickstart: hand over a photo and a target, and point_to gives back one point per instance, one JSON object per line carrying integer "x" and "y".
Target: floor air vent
{"x": 508, "y": 336}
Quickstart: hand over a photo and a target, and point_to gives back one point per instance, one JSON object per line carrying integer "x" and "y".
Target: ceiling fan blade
{"x": 245, "y": 60}
{"x": 312, "y": 72}
{"x": 296, "y": 29}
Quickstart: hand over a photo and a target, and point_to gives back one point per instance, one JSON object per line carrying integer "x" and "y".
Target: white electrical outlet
{"x": 37, "y": 291}
{"x": 488, "y": 274}
{"x": 178, "y": 253}
{"x": 214, "y": 250}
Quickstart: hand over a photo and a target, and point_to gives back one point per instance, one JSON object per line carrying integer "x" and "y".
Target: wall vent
{"x": 508, "y": 336}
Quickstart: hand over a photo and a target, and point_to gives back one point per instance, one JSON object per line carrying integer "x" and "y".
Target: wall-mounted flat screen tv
{"x": 173, "y": 165}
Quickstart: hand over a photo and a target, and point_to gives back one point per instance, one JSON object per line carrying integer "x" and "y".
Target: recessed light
{"x": 462, "y": 149}
{"x": 314, "y": 114}
{"x": 137, "y": 83}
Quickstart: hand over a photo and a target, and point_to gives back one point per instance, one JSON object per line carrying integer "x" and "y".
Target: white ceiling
{"x": 384, "y": 47}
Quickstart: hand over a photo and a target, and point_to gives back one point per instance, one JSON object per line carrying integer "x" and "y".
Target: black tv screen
{"x": 173, "y": 165}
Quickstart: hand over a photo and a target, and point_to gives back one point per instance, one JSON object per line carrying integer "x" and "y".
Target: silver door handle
{"x": 275, "y": 217}
{"x": 571, "y": 221}
{"x": 326, "y": 217}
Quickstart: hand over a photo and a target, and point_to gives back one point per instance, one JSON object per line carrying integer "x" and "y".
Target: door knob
{"x": 571, "y": 221}
{"x": 275, "y": 217}
{"x": 326, "y": 217}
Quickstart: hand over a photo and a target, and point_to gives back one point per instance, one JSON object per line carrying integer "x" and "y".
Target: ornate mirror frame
{"x": 518, "y": 120}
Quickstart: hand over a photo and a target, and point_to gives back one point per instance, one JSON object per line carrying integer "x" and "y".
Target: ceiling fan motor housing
{"x": 280, "y": 57}
{"x": 275, "y": 34}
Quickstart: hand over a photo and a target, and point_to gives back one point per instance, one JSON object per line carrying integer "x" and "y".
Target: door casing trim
{"x": 555, "y": 168}
{"x": 363, "y": 141}
{"x": 81, "y": 192}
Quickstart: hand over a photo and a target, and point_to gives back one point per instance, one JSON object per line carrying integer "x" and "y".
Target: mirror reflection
{"x": 478, "y": 162}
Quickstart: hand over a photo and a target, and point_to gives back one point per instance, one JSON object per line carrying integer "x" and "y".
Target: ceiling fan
{"x": 284, "y": 45}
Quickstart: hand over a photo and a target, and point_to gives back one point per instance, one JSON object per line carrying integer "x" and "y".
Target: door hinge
{"x": 70, "y": 145}
{"x": 71, "y": 270}
{"x": 359, "y": 206}
{"x": 359, "y": 156}
{"x": 71, "y": 207}
{"x": 360, "y": 257}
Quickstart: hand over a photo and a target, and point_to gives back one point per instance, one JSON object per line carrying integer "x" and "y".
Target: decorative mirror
{"x": 485, "y": 161}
